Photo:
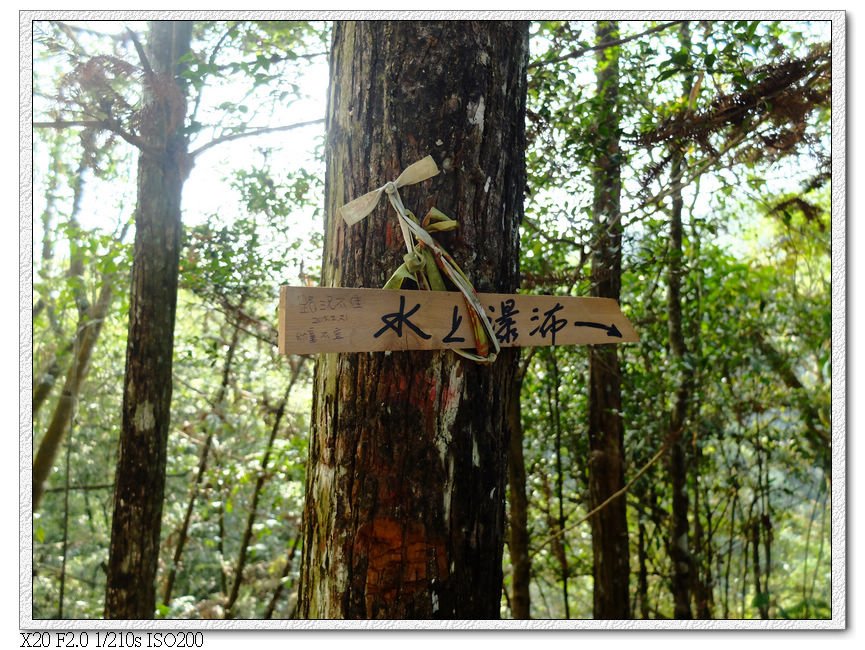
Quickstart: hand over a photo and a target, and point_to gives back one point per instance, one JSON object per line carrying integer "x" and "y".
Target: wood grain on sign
{"x": 318, "y": 319}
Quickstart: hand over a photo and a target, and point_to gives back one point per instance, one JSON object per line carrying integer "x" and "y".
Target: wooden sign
{"x": 319, "y": 319}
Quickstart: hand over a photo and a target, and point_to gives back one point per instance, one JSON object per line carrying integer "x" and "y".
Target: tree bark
{"x": 611, "y": 564}
{"x": 404, "y": 516}
{"x": 140, "y": 479}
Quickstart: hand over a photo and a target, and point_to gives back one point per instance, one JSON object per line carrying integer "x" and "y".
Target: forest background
{"x": 556, "y": 567}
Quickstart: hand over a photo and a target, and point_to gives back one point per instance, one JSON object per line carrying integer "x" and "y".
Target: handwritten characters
{"x": 506, "y": 330}
{"x": 397, "y": 319}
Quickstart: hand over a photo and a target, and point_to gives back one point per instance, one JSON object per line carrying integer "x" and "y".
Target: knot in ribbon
{"x": 414, "y": 261}
{"x": 356, "y": 210}
{"x": 426, "y": 257}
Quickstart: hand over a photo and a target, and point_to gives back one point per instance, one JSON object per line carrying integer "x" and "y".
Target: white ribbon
{"x": 362, "y": 206}
{"x": 422, "y": 170}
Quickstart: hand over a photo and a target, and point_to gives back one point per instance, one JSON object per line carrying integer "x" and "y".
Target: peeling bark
{"x": 404, "y": 515}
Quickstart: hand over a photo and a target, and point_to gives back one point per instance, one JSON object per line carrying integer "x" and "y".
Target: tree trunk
{"x": 611, "y": 565}
{"x": 140, "y": 480}
{"x": 90, "y": 319}
{"x": 404, "y": 516}
{"x": 703, "y": 555}
{"x": 678, "y": 469}
{"x": 642, "y": 599}
{"x": 521, "y": 563}
{"x": 86, "y": 335}
{"x": 680, "y": 553}
{"x": 558, "y": 529}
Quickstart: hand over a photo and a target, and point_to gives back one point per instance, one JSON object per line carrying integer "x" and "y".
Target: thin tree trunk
{"x": 805, "y": 596}
{"x": 679, "y": 546}
{"x": 678, "y": 470}
{"x": 47, "y": 381}
{"x": 48, "y": 378}
{"x": 277, "y": 594}
{"x": 65, "y": 551}
{"x": 820, "y": 548}
{"x": 734, "y": 508}
{"x": 518, "y": 546}
{"x": 764, "y": 526}
{"x": 703, "y": 550}
{"x": 555, "y": 416}
{"x": 220, "y": 546}
{"x": 256, "y": 492}
{"x": 140, "y": 477}
{"x": 183, "y": 534}
{"x": 556, "y": 537}
{"x": 404, "y": 515}
{"x": 611, "y": 565}
{"x": 642, "y": 571}
{"x": 51, "y": 192}
{"x": 760, "y": 592}
{"x": 86, "y": 335}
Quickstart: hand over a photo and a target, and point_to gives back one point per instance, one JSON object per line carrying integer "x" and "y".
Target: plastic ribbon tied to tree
{"x": 426, "y": 260}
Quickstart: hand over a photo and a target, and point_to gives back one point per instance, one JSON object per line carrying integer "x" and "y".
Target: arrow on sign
{"x": 612, "y": 330}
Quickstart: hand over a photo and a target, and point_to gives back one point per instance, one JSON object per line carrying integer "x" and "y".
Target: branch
{"x": 248, "y": 134}
{"x": 107, "y": 124}
{"x": 265, "y": 331}
{"x": 276, "y": 59}
{"x": 145, "y": 62}
{"x": 100, "y": 486}
{"x": 65, "y": 124}
{"x": 578, "y": 53}
{"x": 210, "y": 61}
{"x": 609, "y": 499}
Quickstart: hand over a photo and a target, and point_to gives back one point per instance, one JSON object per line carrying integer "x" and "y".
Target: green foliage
{"x": 755, "y": 261}
{"x": 231, "y": 266}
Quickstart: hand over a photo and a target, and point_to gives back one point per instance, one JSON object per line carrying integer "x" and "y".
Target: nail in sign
{"x": 320, "y": 319}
